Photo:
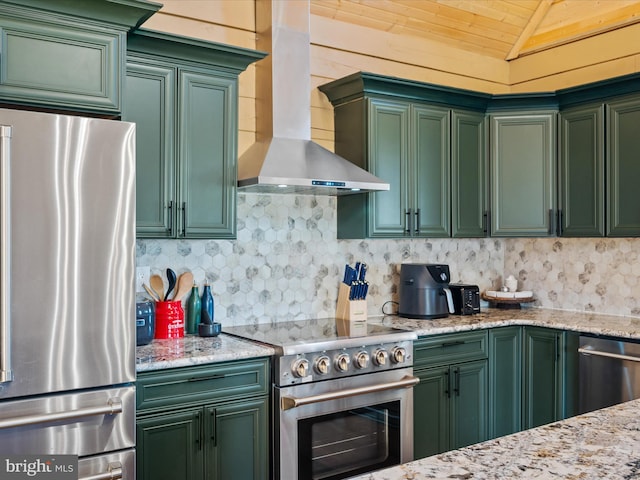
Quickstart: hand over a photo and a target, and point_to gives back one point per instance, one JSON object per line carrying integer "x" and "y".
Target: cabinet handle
{"x": 552, "y": 221}
{"x": 184, "y": 219}
{"x": 417, "y": 229}
{"x": 407, "y": 221}
{"x": 214, "y": 428}
{"x": 170, "y": 217}
{"x": 557, "y": 347}
{"x": 447, "y": 390}
{"x": 452, "y": 344}
{"x": 202, "y": 379}
{"x": 199, "y": 431}
{"x": 559, "y": 224}
{"x": 457, "y": 382}
{"x": 485, "y": 222}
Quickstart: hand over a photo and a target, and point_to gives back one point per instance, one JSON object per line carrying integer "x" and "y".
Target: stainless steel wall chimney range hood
{"x": 284, "y": 159}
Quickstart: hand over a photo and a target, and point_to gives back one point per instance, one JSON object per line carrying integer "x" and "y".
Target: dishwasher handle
{"x": 600, "y": 353}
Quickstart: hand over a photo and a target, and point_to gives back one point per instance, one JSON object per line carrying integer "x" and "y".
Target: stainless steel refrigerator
{"x": 67, "y": 300}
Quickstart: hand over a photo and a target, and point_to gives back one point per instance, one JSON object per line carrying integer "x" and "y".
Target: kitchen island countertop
{"x": 193, "y": 350}
{"x": 595, "y": 445}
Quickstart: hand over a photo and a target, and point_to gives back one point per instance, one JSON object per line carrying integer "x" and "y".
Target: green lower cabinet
{"x": 469, "y": 400}
{"x": 168, "y": 446}
{"x": 505, "y": 381}
{"x": 432, "y": 404}
{"x": 213, "y": 442}
{"x": 209, "y": 422}
{"x": 450, "y": 402}
{"x": 543, "y": 379}
{"x": 533, "y": 377}
{"x": 237, "y": 443}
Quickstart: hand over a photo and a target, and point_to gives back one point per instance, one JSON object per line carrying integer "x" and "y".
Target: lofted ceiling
{"x": 504, "y": 29}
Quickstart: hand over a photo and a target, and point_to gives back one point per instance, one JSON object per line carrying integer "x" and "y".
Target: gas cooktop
{"x": 304, "y": 336}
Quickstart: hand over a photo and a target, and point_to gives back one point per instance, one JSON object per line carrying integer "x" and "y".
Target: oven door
{"x": 335, "y": 429}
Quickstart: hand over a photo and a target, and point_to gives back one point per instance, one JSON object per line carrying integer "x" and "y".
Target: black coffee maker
{"x": 424, "y": 291}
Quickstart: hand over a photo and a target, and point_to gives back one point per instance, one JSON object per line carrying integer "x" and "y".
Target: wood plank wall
{"x": 339, "y": 49}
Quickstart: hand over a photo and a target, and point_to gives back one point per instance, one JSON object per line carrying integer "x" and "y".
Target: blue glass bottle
{"x": 206, "y": 305}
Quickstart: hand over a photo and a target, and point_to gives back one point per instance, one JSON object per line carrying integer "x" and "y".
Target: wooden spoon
{"x": 157, "y": 285}
{"x": 185, "y": 282}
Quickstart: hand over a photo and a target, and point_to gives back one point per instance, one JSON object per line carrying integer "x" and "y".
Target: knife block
{"x": 352, "y": 311}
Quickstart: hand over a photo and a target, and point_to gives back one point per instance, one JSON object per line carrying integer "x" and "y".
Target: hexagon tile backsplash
{"x": 286, "y": 264}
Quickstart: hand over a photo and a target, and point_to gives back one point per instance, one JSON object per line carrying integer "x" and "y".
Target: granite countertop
{"x": 616, "y": 326}
{"x": 193, "y": 350}
{"x": 596, "y": 445}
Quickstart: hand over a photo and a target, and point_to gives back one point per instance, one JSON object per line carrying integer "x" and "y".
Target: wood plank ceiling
{"x": 504, "y": 29}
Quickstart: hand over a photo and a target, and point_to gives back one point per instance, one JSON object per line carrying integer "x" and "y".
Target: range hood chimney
{"x": 284, "y": 159}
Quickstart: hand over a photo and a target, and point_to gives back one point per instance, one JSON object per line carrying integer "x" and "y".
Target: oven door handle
{"x": 287, "y": 403}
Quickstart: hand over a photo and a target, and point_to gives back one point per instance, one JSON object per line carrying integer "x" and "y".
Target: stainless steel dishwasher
{"x": 609, "y": 372}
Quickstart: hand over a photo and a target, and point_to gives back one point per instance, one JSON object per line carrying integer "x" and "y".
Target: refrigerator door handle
{"x": 6, "y": 373}
{"x": 113, "y": 406}
{"x": 114, "y": 472}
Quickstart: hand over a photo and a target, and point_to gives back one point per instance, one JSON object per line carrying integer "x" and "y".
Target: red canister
{"x": 169, "y": 320}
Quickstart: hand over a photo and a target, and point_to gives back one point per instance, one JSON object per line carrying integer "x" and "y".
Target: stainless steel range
{"x": 342, "y": 405}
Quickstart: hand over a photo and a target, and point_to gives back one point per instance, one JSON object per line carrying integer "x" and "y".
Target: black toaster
{"x": 466, "y": 298}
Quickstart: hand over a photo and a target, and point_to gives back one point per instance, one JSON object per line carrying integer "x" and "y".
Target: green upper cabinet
{"x": 468, "y": 175}
{"x": 581, "y": 169}
{"x": 623, "y": 167}
{"x": 67, "y": 55}
{"x": 429, "y": 210}
{"x": 182, "y": 95}
{"x": 523, "y": 174}
{"x": 388, "y": 143}
{"x": 427, "y": 141}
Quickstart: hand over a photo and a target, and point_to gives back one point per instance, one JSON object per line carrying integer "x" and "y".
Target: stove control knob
{"x": 398, "y": 355}
{"x": 300, "y": 368}
{"x": 342, "y": 362}
{"x": 362, "y": 359}
{"x": 322, "y": 365}
{"x": 380, "y": 357}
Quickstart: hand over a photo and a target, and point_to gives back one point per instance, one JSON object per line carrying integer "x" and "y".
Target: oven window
{"x": 339, "y": 445}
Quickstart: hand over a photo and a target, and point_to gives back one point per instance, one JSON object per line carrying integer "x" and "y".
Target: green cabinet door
{"x": 60, "y": 61}
{"x": 523, "y": 166}
{"x": 505, "y": 381}
{"x": 429, "y": 214}
{"x": 238, "y": 440}
{"x": 149, "y": 102}
{"x": 431, "y": 407}
{"x": 543, "y": 377}
{"x": 207, "y": 129}
{"x": 581, "y": 162}
{"x": 450, "y": 407}
{"x": 170, "y": 446}
{"x": 623, "y": 167}
{"x": 468, "y": 175}
{"x": 388, "y": 141}
{"x": 469, "y": 403}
